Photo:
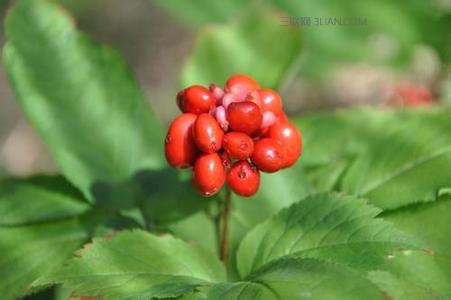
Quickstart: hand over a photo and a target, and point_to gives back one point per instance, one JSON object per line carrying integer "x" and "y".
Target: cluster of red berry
{"x": 230, "y": 135}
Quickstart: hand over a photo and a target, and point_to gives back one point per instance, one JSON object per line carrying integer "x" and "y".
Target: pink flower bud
{"x": 217, "y": 92}
{"x": 221, "y": 117}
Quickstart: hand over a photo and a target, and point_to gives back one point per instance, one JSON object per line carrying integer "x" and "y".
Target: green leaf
{"x": 276, "y": 191}
{"x": 329, "y": 230}
{"x": 328, "y": 227}
{"x": 38, "y": 199}
{"x": 395, "y": 163}
{"x": 415, "y": 275}
{"x": 168, "y": 195}
{"x": 394, "y": 149}
{"x": 198, "y": 228}
{"x": 28, "y": 252}
{"x": 397, "y": 25}
{"x": 298, "y": 278}
{"x": 256, "y": 44}
{"x": 80, "y": 97}
{"x": 428, "y": 222}
{"x": 200, "y": 12}
{"x": 136, "y": 264}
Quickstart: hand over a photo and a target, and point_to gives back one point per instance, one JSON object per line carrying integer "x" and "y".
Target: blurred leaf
{"x": 327, "y": 227}
{"x": 442, "y": 39}
{"x": 200, "y": 12}
{"x": 38, "y": 199}
{"x": 409, "y": 162}
{"x": 28, "y": 252}
{"x": 255, "y": 44}
{"x": 394, "y": 149}
{"x": 388, "y": 34}
{"x": 81, "y": 98}
{"x": 136, "y": 264}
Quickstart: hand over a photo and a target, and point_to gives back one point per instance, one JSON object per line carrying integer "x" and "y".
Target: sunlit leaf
{"x": 138, "y": 265}
{"x": 80, "y": 97}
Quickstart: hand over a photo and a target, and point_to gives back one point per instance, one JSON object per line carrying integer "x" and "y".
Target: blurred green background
{"x": 373, "y": 47}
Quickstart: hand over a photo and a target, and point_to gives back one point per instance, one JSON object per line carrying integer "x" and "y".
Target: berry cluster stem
{"x": 225, "y": 214}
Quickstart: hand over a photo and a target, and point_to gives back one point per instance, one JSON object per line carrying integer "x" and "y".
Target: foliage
{"x": 364, "y": 214}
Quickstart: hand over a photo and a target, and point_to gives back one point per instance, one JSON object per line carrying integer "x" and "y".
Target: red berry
{"x": 243, "y": 179}
{"x": 244, "y": 117}
{"x": 209, "y": 174}
{"x": 196, "y": 99}
{"x": 238, "y": 145}
{"x": 226, "y": 161}
{"x": 254, "y": 96}
{"x": 241, "y": 83}
{"x": 179, "y": 147}
{"x": 268, "y": 155}
{"x": 207, "y": 134}
{"x": 290, "y": 138}
{"x": 283, "y": 117}
{"x": 270, "y": 101}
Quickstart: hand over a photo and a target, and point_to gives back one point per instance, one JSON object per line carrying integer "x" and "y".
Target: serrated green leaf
{"x": 299, "y": 278}
{"x": 38, "y": 199}
{"x": 329, "y": 227}
{"x": 256, "y": 44}
{"x": 276, "y": 191}
{"x": 28, "y": 252}
{"x": 80, "y": 97}
{"x": 138, "y": 265}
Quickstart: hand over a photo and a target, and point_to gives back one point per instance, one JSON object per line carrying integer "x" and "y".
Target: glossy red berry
{"x": 179, "y": 147}
{"x": 238, "y": 145}
{"x": 207, "y": 133}
{"x": 243, "y": 179}
{"x": 196, "y": 99}
{"x": 209, "y": 174}
{"x": 270, "y": 101}
{"x": 232, "y": 134}
{"x": 240, "y": 82}
{"x": 244, "y": 117}
{"x": 268, "y": 155}
{"x": 283, "y": 117}
{"x": 290, "y": 138}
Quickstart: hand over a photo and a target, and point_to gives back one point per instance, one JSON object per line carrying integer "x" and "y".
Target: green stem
{"x": 225, "y": 215}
